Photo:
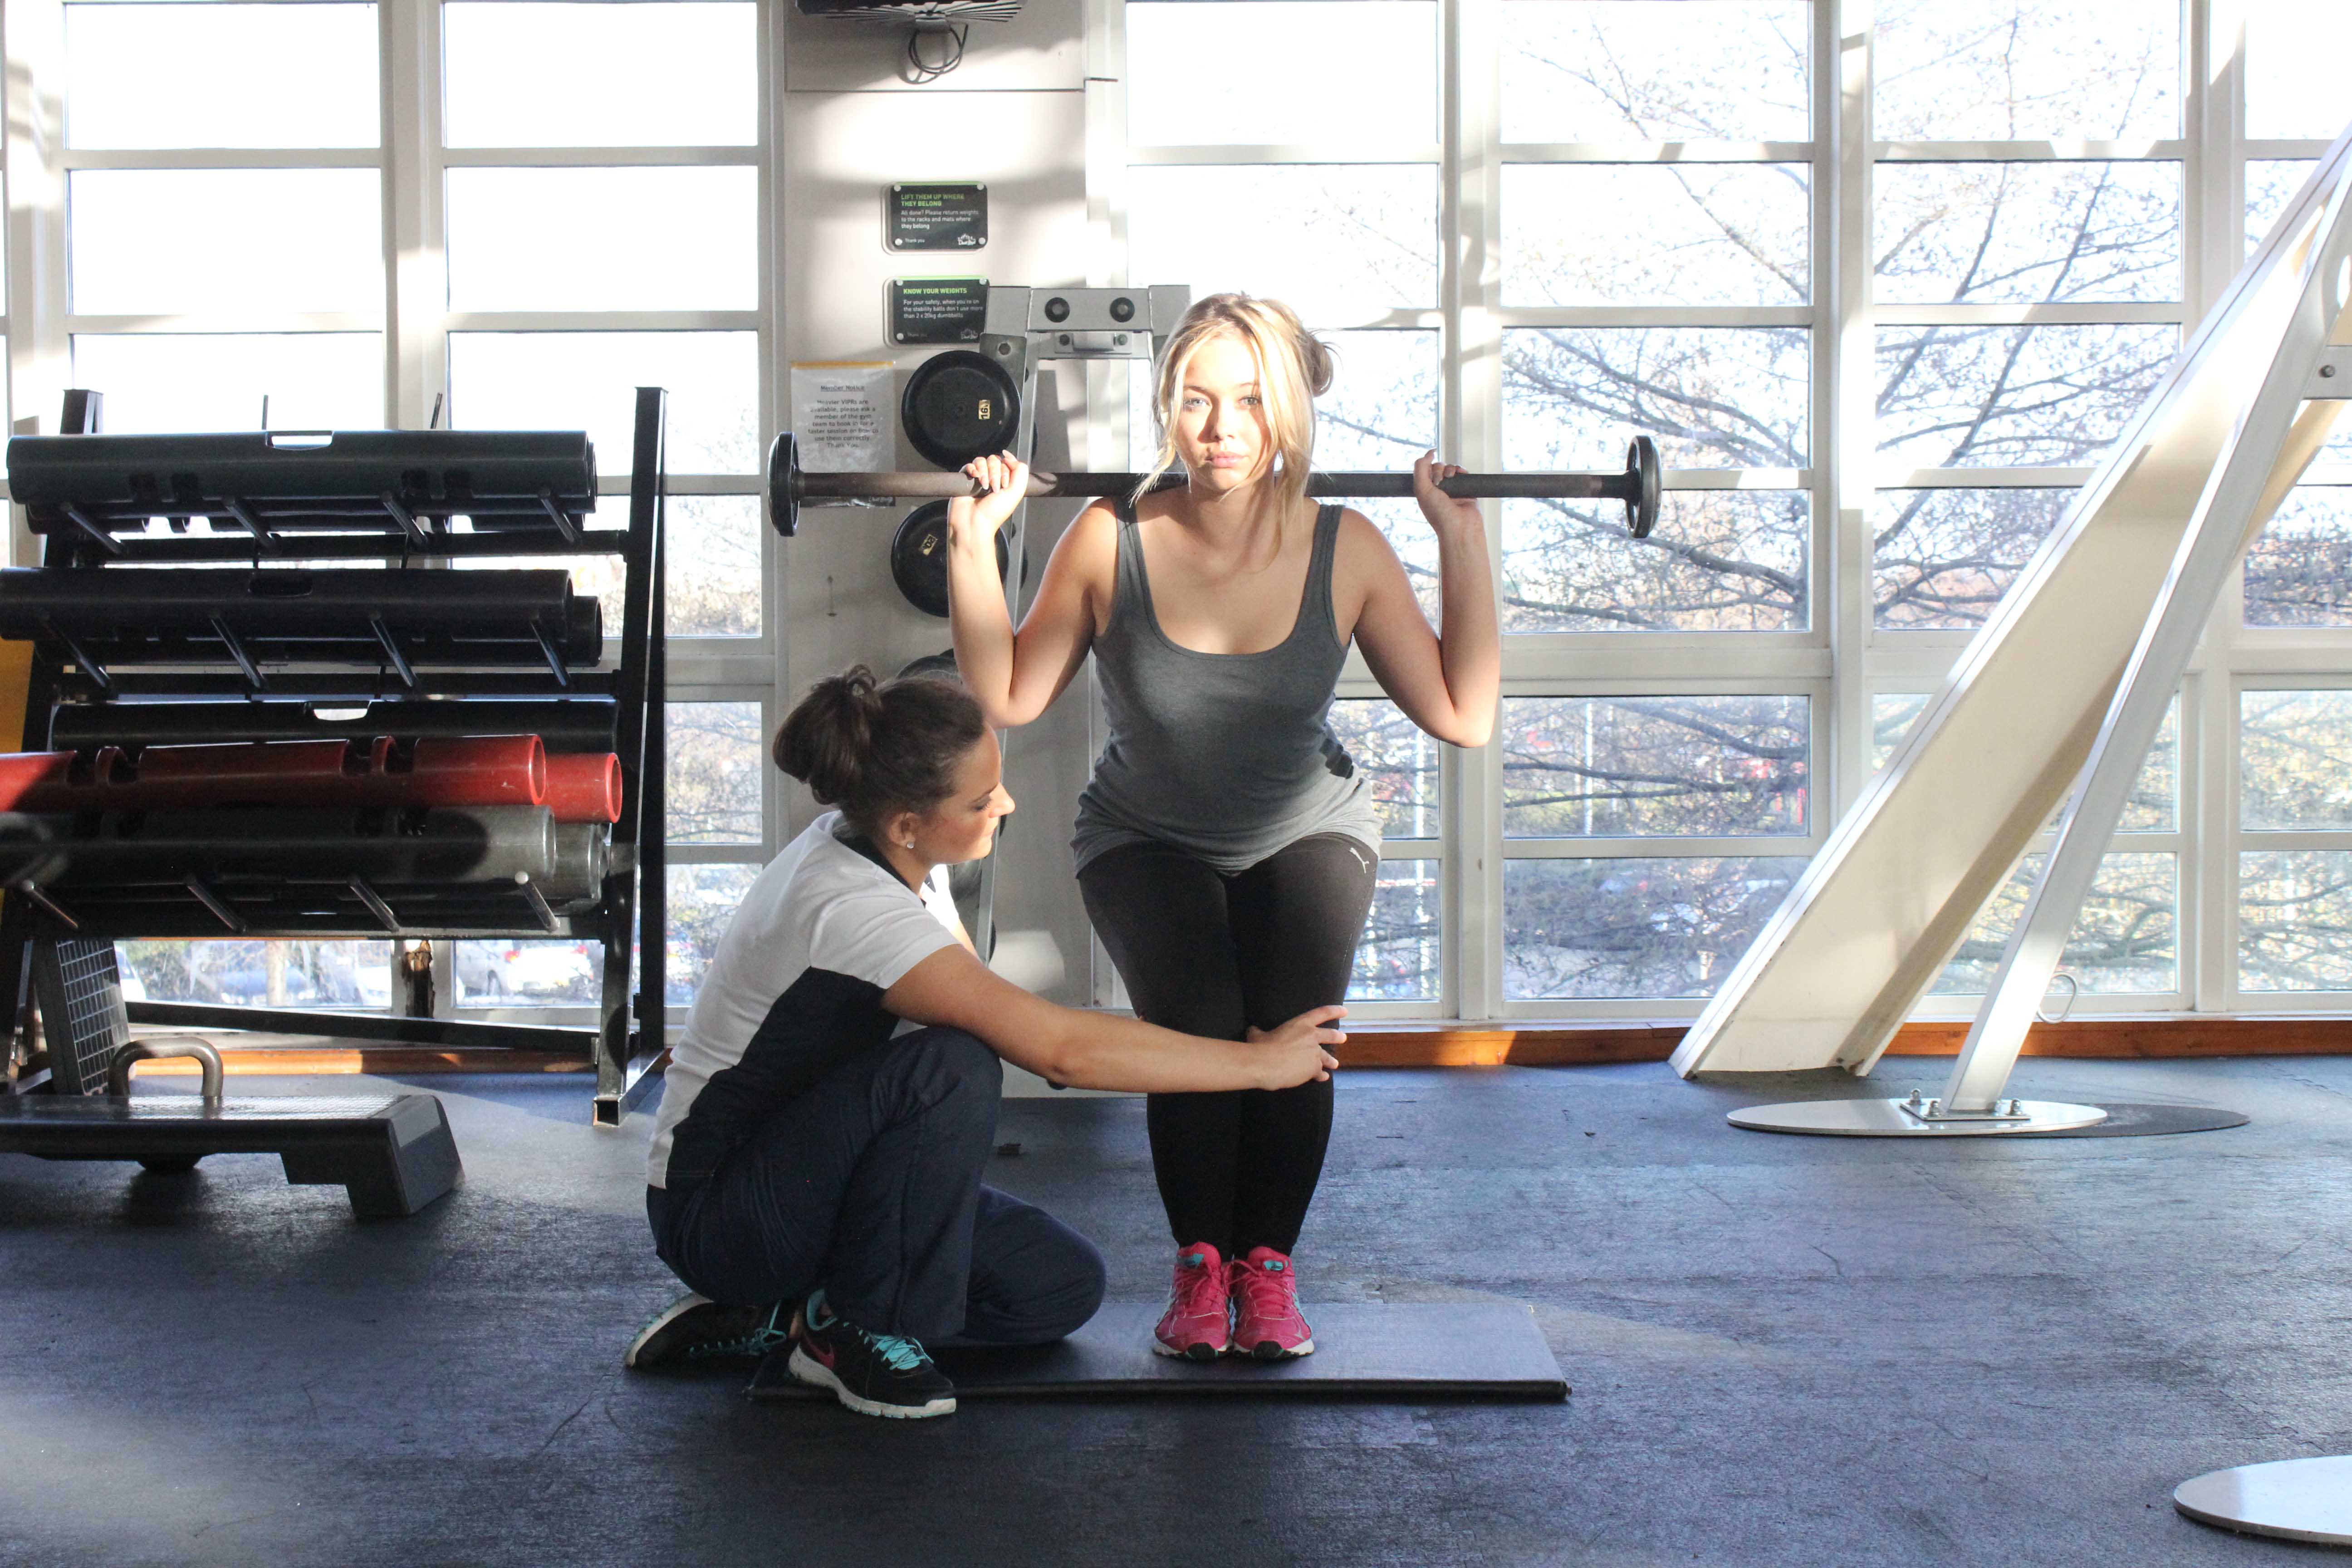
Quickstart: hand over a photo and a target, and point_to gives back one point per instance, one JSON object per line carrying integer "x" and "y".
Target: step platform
{"x": 393, "y": 1153}
{"x": 1396, "y": 1351}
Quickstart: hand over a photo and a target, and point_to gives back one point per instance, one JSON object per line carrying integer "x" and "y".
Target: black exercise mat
{"x": 2148, "y": 1121}
{"x": 1472, "y": 1349}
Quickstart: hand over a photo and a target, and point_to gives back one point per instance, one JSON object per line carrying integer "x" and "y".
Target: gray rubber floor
{"x": 1785, "y": 1350}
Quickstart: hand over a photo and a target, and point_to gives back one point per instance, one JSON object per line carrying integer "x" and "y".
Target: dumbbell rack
{"x": 75, "y": 701}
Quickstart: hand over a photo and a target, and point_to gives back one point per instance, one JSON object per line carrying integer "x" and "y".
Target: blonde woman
{"x": 1227, "y": 847}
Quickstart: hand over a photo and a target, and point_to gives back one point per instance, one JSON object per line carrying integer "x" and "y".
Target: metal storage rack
{"x": 375, "y": 500}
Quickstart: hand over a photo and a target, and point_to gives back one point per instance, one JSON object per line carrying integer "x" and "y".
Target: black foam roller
{"x": 428, "y": 470}
{"x": 570, "y": 724}
{"x": 120, "y": 611}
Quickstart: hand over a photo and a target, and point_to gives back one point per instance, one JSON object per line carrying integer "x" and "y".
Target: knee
{"x": 1076, "y": 1292}
{"x": 954, "y": 1067}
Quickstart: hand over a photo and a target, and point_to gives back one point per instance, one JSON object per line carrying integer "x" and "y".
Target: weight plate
{"x": 918, "y": 558}
{"x": 1641, "y": 506}
{"x": 933, "y": 666}
{"x": 784, "y": 485}
{"x": 958, "y": 405}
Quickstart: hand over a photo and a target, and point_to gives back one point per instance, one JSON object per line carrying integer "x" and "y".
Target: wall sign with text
{"x": 937, "y": 218}
{"x": 938, "y": 310}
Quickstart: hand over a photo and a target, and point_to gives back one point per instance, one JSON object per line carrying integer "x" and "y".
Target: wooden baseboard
{"x": 2108, "y": 1039}
{"x": 2127, "y": 1039}
{"x": 1447, "y": 1046}
{"x": 1532, "y": 1045}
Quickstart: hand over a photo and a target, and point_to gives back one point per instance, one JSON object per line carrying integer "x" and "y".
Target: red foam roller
{"x": 584, "y": 786}
{"x": 181, "y": 776}
{"x": 32, "y": 781}
{"x": 263, "y": 773}
{"x": 482, "y": 769}
{"x": 497, "y": 770}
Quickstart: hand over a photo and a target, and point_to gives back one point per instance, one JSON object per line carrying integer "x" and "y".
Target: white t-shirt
{"x": 795, "y": 990}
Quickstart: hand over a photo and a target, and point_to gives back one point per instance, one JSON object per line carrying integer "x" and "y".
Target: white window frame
{"x": 414, "y": 317}
{"x": 1843, "y": 659}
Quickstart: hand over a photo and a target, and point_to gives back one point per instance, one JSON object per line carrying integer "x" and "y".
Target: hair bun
{"x": 1315, "y": 360}
{"x": 870, "y": 747}
{"x": 824, "y": 741}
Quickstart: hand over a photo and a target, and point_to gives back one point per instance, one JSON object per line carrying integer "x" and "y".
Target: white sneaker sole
{"x": 670, "y": 1314}
{"x": 816, "y": 1374}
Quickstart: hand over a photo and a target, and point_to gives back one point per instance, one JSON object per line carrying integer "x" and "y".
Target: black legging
{"x": 1212, "y": 954}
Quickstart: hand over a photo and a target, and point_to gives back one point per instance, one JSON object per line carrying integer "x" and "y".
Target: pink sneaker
{"x": 1198, "y": 1324}
{"x": 1265, "y": 1300}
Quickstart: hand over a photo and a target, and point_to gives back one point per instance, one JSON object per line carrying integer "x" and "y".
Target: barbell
{"x": 789, "y": 485}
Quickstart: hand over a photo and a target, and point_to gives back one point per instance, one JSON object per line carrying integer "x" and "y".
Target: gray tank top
{"x": 1228, "y": 757}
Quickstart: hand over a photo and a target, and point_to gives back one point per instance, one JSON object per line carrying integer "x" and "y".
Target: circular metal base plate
{"x": 2299, "y": 1500}
{"x": 1887, "y": 1119}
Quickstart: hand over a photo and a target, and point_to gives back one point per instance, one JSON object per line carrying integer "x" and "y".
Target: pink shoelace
{"x": 1199, "y": 1290}
{"x": 1268, "y": 1293}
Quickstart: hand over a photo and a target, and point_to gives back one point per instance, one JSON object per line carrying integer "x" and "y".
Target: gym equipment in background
{"x": 1465, "y": 1349}
{"x": 2294, "y": 300}
{"x": 107, "y": 860}
{"x": 386, "y": 671}
{"x": 272, "y": 483}
{"x": 958, "y": 405}
{"x": 275, "y": 616}
{"x": 573, "y": 723}
{"x": 584, "y": 786}
{"x": 918, "y": 558}
{"x": 2054, "y": 704}
{"x": 1023, "y": 329}
{"x": 492, "y": 770}
{"x": 1637, "y": 487}
{"x": 390, "y": 1155}
{"x": 2292, "y": 1500}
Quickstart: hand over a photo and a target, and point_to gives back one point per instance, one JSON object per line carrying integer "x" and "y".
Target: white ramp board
{"x": 1889, "y": 897}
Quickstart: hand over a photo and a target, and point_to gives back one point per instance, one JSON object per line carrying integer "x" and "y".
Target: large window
{"x": 502, "y": 214}
{"x": 1883, "y": 281}
{"x": 600, "y": 215}
{"x": 1343, "y": 223}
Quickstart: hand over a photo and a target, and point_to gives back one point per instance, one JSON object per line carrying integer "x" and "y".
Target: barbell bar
{"x": 789, "y": 486}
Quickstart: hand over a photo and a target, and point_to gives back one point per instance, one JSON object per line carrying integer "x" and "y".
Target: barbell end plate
{"x": 1642, "y": 507}
{"x": 784, "y": 485}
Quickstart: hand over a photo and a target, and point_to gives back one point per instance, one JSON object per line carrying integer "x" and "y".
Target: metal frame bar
{"x": 637, "y": 891}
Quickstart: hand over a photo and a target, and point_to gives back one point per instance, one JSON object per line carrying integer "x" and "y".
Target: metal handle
{"x": 118, "y": 1066}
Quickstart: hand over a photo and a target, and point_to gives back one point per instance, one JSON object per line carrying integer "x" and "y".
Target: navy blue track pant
{"x": 869, "y": 1186}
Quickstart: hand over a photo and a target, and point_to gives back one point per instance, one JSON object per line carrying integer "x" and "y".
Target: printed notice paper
{"x": 841, "y": 417}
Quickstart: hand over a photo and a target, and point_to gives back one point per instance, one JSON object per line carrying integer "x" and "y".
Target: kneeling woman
{"x": 827, "y": 1111}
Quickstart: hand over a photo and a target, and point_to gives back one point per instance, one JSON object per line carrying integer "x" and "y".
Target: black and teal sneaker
{"x": 695, "y": 1328}
{"x": 873, "y": 1375}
